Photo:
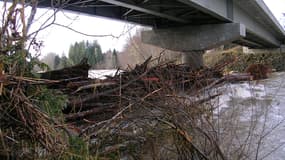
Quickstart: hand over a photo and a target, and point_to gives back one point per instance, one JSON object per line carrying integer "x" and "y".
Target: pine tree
{"x": 57, "y": 61}
{"x": 114, "y": 59}
{"x": 84, "y": 49}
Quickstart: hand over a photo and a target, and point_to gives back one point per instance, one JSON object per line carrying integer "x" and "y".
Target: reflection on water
{"x": 250, "y": 119}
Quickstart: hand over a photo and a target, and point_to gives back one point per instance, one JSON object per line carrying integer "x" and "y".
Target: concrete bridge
{"x": 190, "y": 26}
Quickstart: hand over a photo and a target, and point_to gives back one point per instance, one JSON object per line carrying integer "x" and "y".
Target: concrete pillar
{"x": 193, "y": 38}
{"x": 282, "y": 48}
{"x": 193, "y": 58}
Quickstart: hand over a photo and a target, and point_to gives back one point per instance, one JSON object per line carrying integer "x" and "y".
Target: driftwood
{"x": 93, "y": 111}
{"x": 85, "y": 94}
{"x": 165, "y": 103}
{"x": 103, "y": 110}
{"x": 238, "y": 77}
{"x": 93, "y": 86}
{"x": 79, "y": 70}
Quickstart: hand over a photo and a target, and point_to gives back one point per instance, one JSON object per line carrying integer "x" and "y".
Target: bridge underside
{"x": 262, "y": 30}
{"x": 156, "y": 13}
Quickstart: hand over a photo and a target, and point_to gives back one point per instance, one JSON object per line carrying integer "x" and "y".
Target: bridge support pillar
{"x": 194, "y": 59}
{"x": 192, "y": 40}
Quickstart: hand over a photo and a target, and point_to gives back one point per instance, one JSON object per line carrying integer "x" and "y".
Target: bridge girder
{"x": 194, "y": 38}
{"x": 262, "y": 28}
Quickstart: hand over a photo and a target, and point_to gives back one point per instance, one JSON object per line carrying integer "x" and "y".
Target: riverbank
{"x": 241, "y": 60}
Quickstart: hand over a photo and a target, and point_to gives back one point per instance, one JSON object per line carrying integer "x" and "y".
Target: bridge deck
{"x": 156, "y": 13}
{"x": 263, "y": 30}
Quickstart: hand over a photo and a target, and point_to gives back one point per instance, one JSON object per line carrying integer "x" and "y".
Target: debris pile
{"x": 258, "y": 71}
{"x": 146, "y": 112}
{"x": 24, "y": 124}
{"x": 94, "y": 100}
{"x": 159, "y": 107}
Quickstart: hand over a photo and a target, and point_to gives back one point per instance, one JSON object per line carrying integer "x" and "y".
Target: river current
{"x": 251, "y": 118}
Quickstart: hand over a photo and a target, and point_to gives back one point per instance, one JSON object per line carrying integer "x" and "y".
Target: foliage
{"x": 78, "y": 150}
{"x": 76, "y": 52}
{"x": 85, "y": 49}
{"x": 47, "y": 101}
{"x": 110, "y": 60}
{"x": 114, "y": 59}
{"x": 57, "y": 61}
{"x": 64, "y": 62}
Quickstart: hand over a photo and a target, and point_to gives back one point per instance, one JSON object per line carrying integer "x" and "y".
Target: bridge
{"x": 189, "y": 26}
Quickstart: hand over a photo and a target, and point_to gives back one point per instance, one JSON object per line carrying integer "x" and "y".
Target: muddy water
{"x": 251, "y": 119}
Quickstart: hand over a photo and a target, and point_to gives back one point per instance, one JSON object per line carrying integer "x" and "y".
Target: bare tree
{"x": 135, "y": 52}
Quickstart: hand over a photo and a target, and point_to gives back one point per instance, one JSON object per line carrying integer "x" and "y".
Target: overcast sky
{"x": 276, "y": 6}
{"x": 58, "y": 39}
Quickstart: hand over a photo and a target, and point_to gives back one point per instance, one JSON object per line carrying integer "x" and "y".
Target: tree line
{"x": 79, "y": 50}
{"x": 134, "y": 52}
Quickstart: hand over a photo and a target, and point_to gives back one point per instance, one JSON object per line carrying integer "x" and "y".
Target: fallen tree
{"x": 145, "y": 112}
{"x": 145, "y": 107}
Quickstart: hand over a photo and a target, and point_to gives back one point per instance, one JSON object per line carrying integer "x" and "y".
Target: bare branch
{"x": 90, "y": 35}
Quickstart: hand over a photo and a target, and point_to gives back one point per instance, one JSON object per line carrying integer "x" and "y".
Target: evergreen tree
{"x": 77, "y": 52}
{"x": 90, "y": 54}
{"x": 56, "y": 63}
{"x": 114, "y": 59}
{"x": 84, "y": 49}
{"x": 65, "y": 62}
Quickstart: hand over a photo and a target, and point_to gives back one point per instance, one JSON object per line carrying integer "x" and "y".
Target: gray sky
{"x": 277, "y": 7}
{"x": 58, "y": 39}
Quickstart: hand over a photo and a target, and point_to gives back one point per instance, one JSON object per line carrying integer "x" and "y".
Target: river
{"x": 251, "y": 120}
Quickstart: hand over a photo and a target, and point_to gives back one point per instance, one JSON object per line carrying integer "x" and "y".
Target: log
{"x": 238, "y": 77}
{"x": 93, "y": 111}
{"x": 79, "y": 70}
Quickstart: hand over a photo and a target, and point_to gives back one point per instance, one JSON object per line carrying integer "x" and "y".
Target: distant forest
{"x": 134, "y": 52}
{"x": 79, "y": 50}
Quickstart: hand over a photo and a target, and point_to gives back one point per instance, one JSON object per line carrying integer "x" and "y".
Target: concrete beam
{"x": 258, "y": 10}
{"x": 254, "y": 27}
{"x": 254, "y": 14}
{"x": 216, "y": 8}
{"x": 194, "y": 38}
